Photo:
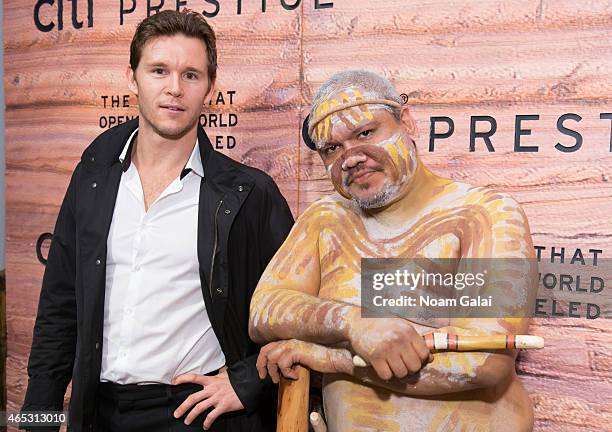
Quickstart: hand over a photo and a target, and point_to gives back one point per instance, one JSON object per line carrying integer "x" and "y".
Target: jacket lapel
{"x": 96, "y": 204}
{"x": 103, "y": 205}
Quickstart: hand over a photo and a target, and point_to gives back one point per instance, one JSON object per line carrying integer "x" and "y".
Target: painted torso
{"x": 455, "y": 223}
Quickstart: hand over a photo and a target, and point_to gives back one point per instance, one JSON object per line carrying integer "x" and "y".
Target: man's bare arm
{"x": 284, "y": 313}
{"x": 285, "y": 304}
{"x": 448, "y": 372}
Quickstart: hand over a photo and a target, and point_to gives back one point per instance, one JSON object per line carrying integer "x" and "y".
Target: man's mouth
{"x": 360, "y": 176}
{"x": 173, "y": 107}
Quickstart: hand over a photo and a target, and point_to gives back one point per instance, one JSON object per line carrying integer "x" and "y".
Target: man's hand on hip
{"x": 217, "y": 393}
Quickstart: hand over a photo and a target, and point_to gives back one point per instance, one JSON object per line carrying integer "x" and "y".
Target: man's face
{"x": 172, "y": 83}
{"x": 369, "y": 154}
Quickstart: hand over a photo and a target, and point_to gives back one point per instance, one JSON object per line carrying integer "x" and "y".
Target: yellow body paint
{"x": 342, "y": 235}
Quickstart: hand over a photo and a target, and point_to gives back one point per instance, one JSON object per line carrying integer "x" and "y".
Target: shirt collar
{"x": 195, "y": 161}
{"x": 193, "y": 164}
{"x": 126, "y": 154}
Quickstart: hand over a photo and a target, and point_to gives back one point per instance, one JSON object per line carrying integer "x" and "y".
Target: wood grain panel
{"x": 443, "y": 17}
{"x": 569, "y": 381}
{"x": 471, "y": 52}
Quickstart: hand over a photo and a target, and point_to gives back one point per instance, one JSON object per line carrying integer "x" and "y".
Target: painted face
{"x": 172, "y": 83}
{"x": 368, "y": 154}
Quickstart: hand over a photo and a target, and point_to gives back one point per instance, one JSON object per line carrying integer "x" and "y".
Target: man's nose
{"x": 353, "y": 160}
{"x": 174, "y": 85}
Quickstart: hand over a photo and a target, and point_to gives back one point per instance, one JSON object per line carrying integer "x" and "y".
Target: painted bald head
{"x": 363, "y": 135}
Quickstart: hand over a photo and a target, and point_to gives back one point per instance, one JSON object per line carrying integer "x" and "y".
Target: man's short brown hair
{"x": 169, "y": 23}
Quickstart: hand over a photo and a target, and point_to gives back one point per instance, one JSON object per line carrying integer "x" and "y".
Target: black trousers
{"x": 147, "y": 408}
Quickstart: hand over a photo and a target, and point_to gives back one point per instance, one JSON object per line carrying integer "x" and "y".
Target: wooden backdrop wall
{"x": 456, "y": 59}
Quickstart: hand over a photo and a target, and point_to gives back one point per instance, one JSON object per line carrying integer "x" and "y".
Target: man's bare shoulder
{"x": 461, "y": 195}
{"x": 327, "y": 207}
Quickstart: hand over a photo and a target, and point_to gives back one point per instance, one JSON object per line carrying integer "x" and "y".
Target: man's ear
{"x": 408, "y": 121}
{"x": 211, "y": 91}
{"x": 131, "y": 80}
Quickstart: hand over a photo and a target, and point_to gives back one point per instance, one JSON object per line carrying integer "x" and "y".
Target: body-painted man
{"x": 388, "y": 204}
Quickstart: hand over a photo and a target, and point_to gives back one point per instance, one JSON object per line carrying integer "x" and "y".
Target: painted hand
{"x": 391, "y": 345}
{"x": 217, "y": 392}
{"x": 282, "y": 356}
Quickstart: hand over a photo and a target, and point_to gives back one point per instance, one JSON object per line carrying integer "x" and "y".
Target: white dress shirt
{"x": 155, "y": 321}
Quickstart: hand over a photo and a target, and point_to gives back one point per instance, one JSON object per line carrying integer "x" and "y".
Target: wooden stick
{"x": 452, "y": 342}
{"x": 292, "y": 413}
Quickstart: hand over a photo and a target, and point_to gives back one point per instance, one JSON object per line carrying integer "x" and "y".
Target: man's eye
{"x": 366, "y": 133}
{"x": 158, "y": 71}
{"x": 190, "y": 75}
{"x": 330, "y": 149}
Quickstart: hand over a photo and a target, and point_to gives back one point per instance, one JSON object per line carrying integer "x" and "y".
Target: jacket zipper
{"x": 212, "y": 262}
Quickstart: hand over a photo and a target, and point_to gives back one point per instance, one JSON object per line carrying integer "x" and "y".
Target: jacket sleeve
{"x": 275, "y": 224}
{"x": 54, "y": 340}
{"x": 245, "y": 381}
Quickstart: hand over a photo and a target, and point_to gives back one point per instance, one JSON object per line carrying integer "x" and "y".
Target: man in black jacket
{"x": 158, "y": 246}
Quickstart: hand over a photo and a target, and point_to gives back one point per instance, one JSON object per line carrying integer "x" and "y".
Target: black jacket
{"x": 242, "y": 221}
